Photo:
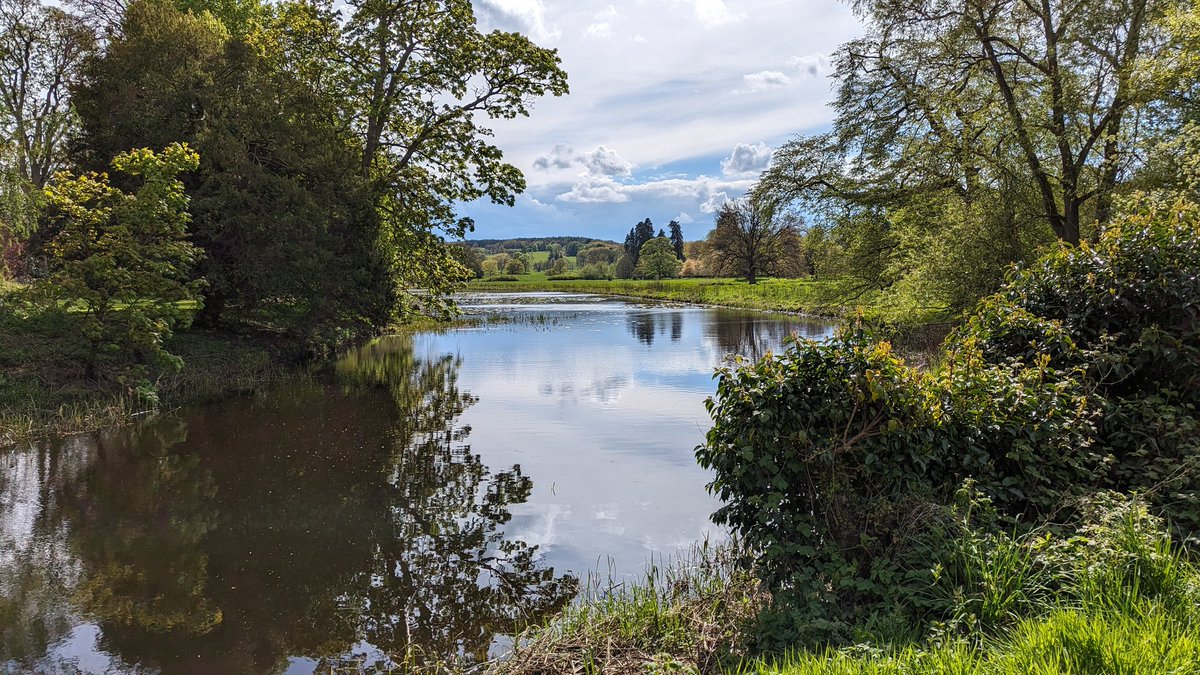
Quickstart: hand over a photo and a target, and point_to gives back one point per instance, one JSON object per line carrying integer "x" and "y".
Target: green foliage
{"x": 752, "y": 241}
{"x": 835, "y": 459}
{"x": 657, "y": 260}
{"x": 121, "y": 263}
{"x": 288, "y": 223}
{"x": 1120, "y": 320}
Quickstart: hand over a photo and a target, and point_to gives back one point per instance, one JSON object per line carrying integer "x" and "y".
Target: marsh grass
{"x": 682, "y": 615}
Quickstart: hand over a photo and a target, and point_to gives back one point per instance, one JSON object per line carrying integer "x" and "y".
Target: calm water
{"x": 424, "y": 497}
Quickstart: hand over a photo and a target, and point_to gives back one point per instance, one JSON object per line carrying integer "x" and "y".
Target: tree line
{"x": 331, "y": 144}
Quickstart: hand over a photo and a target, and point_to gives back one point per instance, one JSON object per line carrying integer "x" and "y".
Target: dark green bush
{"x": 837, "y": 461}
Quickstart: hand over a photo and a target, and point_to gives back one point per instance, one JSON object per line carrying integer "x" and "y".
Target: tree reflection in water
{"x": 332, "y": 520}
{"x": 646, "y": 325}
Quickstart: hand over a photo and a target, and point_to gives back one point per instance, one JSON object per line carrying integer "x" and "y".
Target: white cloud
{"x": 684, "y": 218}
{"x": 713, "y": 13}
{"x": 561, "y": 156}
{"x": 714, "y": 202}
{"x": 766, "y": 79}
{"x": 594, "y": 191}
{"x": 606, "y": 162}
{"x": 747, "y": 159}
{"x": 601, "y": 30}
{"x": 601, "y": 161}
{"x": 813, "y": 65}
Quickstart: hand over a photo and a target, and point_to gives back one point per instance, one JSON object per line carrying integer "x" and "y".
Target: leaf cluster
{"x": 834, "y": 459}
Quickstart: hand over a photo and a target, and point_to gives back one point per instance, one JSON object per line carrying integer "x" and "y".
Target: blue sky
{"x": 675, "y": 107}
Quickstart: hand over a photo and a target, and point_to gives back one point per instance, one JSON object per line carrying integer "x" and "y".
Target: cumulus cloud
{"x": 601, "y": 26}
{"x": 747, "y": 159}
{"x": 594, "y": 191}
{"x": 601, "y": 30}
{"x": 561, "y": 156}
{"x": 715, "y": 201}
{"x": 601, "y": 161}
{"x": 606, "y": 162}
{"x": 526, "y": 16}
{"x": 684, "y": 218}
{"x": 813, "y": 65}
{"x": 766, "y": 79}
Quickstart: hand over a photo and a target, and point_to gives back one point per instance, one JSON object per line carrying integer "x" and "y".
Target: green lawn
{"x": 821, "y": 298}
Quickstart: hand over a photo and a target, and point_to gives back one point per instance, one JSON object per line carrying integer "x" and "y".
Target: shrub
{"x": 121, "y": 263}
{"x": 837, "y": 461}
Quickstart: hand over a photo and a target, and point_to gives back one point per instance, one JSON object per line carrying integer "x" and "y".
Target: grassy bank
{"x": 41, "y": 397}
{"x": 824, "y": 298}
{"x": 684, "y": 615}
{"x": 1114, "y": 596}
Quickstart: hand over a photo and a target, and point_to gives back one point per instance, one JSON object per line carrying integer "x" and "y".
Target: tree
{"x": 334, "y": 149}
{"x": 121, "y": 262}
{"x": 624, "y": 267}
{"x": 969, "y": 135}
{"x": 599, "y": 252}
{"x": 676, "y": 238}
{"x": 750, "y": 241}
{"x": 290, "y": 226}
{"x": 638, "y": 235}
{"x": 41, "y": 49}
{"x": 419, "y": 79}
{"x": 657, "y": 260}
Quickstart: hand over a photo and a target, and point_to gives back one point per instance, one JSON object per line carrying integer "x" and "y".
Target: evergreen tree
{"x": 638, "y": 235}
{"x": 676, "y": 238}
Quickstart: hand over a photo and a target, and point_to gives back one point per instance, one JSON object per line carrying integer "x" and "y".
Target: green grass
{"x": 684, "y": 616}
{"x": 794, "y": 295}
{"x": 828, "y": 298}
{"x": 1146, "y": 640}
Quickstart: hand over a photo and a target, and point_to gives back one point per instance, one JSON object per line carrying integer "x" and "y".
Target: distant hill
{"x": 530, "y": 244}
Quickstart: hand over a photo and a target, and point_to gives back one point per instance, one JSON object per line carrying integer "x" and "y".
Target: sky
{"x": 675, "y": 107}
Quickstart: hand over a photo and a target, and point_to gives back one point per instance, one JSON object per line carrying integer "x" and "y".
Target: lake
{"x": 420, "y": 497}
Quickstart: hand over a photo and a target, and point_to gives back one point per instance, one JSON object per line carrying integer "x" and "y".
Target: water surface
{"x": 420, "y": 498}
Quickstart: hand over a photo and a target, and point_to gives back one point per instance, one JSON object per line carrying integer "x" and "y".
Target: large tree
{"x": 657, "y": 260}
{"x": 419, "y": 80}
{"x": 279, "y": 204}
{"x": 676, "y": 238}
{"x": 751, "y": 241}
{"x": 970, "y": 133}
{"x": 41, "y": 48}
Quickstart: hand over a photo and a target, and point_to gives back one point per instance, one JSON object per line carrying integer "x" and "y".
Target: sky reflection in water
{"x": 390, "y": 506}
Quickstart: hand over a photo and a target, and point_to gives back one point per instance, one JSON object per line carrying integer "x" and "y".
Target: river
{"x": 421, "y": 497}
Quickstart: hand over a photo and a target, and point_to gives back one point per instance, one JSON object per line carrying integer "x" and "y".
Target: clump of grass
{"x": 685, "y": 615}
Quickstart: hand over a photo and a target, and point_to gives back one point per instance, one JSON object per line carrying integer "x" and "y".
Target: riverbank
{"x": 1116, "y": 596}
{"x": 827, "y": 298}
{"x": 40, "y": 397}
{"x": 43, "y": 395}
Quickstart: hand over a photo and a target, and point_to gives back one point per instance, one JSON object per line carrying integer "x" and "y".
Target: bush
{"x": 596, "y": 271}
{"x": 837, "y": 462}
{"x": 120, "y": 263}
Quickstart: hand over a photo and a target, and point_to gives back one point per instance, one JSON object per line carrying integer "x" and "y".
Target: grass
{"x": 827, "y": 298}
{"x": 41, "y": 396}
{"x": 1120, "y": 598}
{"x": 1147, "y": 640}
{"x": 683, "y": 616}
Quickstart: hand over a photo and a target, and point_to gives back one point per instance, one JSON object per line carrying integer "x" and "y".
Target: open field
{"x": 825, "y": 298}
